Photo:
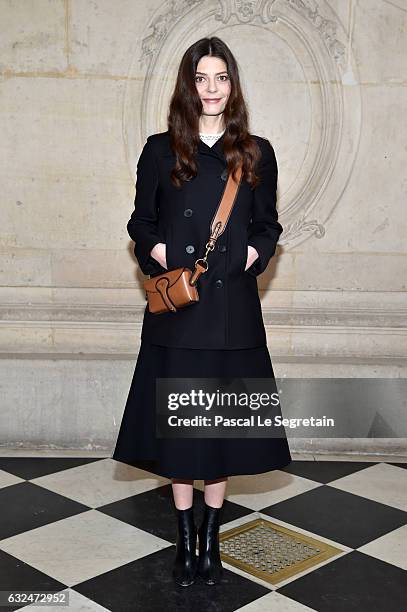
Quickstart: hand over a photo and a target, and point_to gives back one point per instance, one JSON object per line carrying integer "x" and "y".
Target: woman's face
{"x": 213, "y": 84}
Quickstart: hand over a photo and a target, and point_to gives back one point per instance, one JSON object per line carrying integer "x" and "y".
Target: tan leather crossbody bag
{"x": 175, "y": 289}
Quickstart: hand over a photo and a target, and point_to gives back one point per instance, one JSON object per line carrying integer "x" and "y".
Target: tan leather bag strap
{"x": 219, "y": 222}
{"x": 162, "y": 285}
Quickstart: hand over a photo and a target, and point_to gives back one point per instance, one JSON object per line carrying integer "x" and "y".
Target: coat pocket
{"x": 244, "y": 253}
{"x": 169, "y": 250}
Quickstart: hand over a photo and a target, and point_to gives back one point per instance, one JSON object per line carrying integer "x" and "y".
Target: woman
{"x": 181, "y": 176}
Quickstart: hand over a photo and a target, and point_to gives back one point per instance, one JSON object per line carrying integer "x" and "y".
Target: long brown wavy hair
{"x": 186, "y": 108}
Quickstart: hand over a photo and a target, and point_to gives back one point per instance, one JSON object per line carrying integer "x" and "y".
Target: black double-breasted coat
{"x": 228, "y": 314}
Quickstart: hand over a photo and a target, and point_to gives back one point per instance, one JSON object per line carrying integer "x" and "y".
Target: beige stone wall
{"x": 83, "y": 82}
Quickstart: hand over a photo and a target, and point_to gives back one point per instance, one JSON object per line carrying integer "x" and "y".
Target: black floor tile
{"x": 15, "y": 575}
{"x": 338, "y": 515}
{"x": 25, "y": 506}
{"x": 154, "y": 511}
{"x": 353, "y": 582}
{"x": 34, "y": 467}
{"x": 146, "y": 585}
{"x": 402, "y": 465}
{"x": 151, "y": 511}
{"x": 325, "y": 471}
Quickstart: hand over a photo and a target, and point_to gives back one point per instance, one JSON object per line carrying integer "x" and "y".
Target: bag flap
{"x": 172, "y": 275}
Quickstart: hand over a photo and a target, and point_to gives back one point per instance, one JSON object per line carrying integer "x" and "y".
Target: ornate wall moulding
{"x": 306, "y": 50}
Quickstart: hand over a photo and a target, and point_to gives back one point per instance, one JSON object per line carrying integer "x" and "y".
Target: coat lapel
{"x": 203, "y": 149}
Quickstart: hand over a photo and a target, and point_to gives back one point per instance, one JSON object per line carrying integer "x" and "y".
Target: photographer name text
{"x": 251, "y": 421}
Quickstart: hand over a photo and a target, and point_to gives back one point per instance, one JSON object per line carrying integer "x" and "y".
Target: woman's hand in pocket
{"x": 252, "y": 255}
{"x": 159, "y": 253}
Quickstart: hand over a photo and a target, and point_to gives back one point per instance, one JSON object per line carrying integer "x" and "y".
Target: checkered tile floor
{"x": 104, "y": 532}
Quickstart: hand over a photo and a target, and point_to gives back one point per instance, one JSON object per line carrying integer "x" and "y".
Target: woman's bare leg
{"x": 182, "y": 491}
{"x": 214, "y": 492}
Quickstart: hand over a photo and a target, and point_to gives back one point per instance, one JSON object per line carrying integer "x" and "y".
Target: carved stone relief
{"x": 319, "y": 46}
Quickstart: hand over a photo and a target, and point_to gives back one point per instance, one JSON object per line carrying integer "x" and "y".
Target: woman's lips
{"x": 211, "y": 100}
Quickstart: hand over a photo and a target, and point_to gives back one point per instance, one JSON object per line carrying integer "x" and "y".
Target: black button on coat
{"x": 228, "y": 314}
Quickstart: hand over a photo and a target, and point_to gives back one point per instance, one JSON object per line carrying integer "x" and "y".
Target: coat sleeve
{"x": 142, "y": 225}
{"x": 264, "y": 229}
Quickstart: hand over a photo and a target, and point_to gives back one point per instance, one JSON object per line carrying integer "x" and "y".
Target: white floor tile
{"x": 7, "y": 479}
{"x": 101, "y": 482}
{"x": 274, "y": 602}
{"x": 258, "y": 491}
{"x": 383, "y": 483}
{"x": 391, "y": 548}
{"x": 80, "y": 547}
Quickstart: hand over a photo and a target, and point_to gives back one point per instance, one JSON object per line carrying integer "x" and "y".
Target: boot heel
{"x": 185, "y": 564}
{"x": 210, "y": 567}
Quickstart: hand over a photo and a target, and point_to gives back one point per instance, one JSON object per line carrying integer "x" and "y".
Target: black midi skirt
{"x": 193, "y": 458}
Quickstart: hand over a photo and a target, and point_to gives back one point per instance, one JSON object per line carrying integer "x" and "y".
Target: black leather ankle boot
{"x": 185, "y": 564}
{"x": 209, "y": 562}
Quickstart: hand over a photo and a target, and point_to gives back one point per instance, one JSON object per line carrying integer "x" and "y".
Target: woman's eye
{"x": 224, "y": 77}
